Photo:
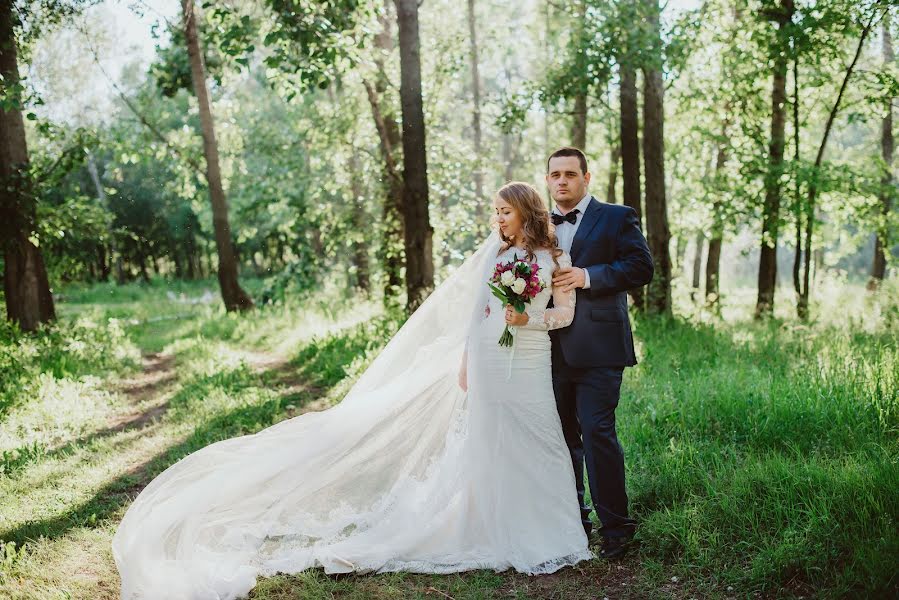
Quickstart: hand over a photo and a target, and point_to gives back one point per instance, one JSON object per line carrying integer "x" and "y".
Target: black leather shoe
{"x": 615, "y": 547}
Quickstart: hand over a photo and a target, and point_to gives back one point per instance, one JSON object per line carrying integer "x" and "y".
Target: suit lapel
{"x": 591, "y": 215}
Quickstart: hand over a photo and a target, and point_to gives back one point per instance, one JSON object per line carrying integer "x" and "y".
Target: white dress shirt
{"x": 565, "y": 231}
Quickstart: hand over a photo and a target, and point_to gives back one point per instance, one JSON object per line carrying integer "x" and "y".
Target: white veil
{"x": 286, "y": 497}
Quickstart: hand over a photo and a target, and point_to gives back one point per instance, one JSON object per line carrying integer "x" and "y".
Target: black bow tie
{"x": 570, "y": 217}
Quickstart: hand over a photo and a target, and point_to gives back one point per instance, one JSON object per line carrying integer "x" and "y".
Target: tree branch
{"x": 174, "y": 150}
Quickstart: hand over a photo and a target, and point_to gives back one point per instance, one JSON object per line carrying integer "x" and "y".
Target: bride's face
{"x": 508, "y": 219}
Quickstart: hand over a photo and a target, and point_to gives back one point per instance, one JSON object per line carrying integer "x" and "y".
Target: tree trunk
{"x": 680, "y": 254}
{"x": 697, "y": 264}
{"x": 713, "y": 259}
{"x": 630, "y": 153}
{"x": 390, "y": 254}
{"x": 659, "y": 292}
{"x": 579, "y": 112}
{"x": 579, "y": 122}
{"x": 29, "y": 301}
{"x": 797, "y": 196}
{"x": 178, "y": 259}
{"x": 712, "y": 271}
{"x": 142, "y": 265}
{"x": 94, "y": 269}
{"x": 359, "y": 219}
{"x": 103, "y": 268}
{"x": 614, "y": 160}
{"x": 767, "y": 277}
{"x": 882, "y": 240}
{"x": 476, "y": 102}
{"x": 802, "y": 308}
{"x": 234, "y": 296}
{"x": 418, "y": 233}
{"x": 716, "y": 239}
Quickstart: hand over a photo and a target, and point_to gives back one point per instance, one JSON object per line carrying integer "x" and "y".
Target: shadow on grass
{"x": 242, "y": 420}
{"x": 317, "y": 367}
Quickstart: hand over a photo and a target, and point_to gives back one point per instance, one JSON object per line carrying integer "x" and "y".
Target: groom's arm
{"x": 632, "y": 267}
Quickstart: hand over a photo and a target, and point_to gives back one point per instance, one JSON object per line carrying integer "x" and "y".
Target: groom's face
{"x": 567, "y": 184}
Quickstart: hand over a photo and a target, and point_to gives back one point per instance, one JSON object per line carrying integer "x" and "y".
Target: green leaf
{"x": 499, "y": 293}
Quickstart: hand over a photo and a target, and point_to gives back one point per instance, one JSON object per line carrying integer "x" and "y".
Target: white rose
{"x": 518, "y": 285}
{"x": 507, "y": 278}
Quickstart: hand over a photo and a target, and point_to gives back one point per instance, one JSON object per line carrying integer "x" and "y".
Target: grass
{"x": 762, "y": 458}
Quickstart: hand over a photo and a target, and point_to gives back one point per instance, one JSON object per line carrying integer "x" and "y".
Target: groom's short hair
{"x": 569, "y": 151}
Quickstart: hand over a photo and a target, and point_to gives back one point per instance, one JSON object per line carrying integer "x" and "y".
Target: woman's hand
{"x": 513, "y": 317}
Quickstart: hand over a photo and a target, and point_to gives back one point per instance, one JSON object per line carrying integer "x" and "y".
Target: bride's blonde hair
{"x": 537, "y": 230}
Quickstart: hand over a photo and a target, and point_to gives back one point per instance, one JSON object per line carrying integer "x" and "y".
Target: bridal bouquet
{"x": 517, "y": 283}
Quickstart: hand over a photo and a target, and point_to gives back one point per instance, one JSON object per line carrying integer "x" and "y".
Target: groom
{"x": 610, "y": 256}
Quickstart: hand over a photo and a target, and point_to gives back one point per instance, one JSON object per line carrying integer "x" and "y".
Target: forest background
{"x": 214, "y": 215}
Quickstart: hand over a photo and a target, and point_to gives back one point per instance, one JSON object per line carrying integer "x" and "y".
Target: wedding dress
{"x": 407, "y": 473}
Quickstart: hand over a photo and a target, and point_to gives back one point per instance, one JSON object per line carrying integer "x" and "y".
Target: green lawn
{"x": 763, "y": 459}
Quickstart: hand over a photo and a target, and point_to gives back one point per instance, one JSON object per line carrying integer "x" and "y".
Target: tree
{"x": 234, "y": 296}
{"x": 813, "y": 184}
{"x": 629, "y": 125}
{"x": 697, "y": 264}
{"x": 358, "y": 220}
{"x": 716, "y": 240}
{"x": 475, "y": 99}
{"x": 658, "y": 298}
{"x": 313, "y": 44}
{"x": 384, "y": 114}
{"x": 882, "y": 239}
{"x": 29, "y": 301}
{"x": 630, "y": 152}
{"x": 579, "y": 116}
{"x": 418, "y": 231}
{"x": 782, "y": 15}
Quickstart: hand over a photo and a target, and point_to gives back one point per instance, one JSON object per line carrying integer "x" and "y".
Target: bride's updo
{"x": 537, "y": 229}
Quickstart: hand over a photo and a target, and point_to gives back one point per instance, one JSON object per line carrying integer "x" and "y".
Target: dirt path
{"x": 146, "y": 392}
{"x": 142, "y": 429}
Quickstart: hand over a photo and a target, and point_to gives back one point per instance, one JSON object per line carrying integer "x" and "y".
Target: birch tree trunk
{"x": 802, "y": 307}
{"x": 882, "y": 242}
{"x": 232, "y": 294}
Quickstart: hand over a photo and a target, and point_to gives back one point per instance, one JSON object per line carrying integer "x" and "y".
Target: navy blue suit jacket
{"x": 611, "y": 247}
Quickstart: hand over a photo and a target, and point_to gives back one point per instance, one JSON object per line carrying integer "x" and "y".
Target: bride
{"x": 424, "y": 466}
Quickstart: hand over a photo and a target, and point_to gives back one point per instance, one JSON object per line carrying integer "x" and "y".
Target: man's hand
{"x": 569, "y": 278}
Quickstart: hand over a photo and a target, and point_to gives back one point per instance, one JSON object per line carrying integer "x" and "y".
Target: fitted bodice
{"x": 539, "y": 317}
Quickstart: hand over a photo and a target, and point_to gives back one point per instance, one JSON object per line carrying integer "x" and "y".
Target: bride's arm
{"x": 463, "y": 369}
{"x": 562, "y": 312}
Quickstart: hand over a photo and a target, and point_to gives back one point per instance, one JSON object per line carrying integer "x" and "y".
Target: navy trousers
{"x": 586, "y": 399}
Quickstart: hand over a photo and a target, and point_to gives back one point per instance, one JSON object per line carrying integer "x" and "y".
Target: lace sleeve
{"x": 562, "y": 312}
